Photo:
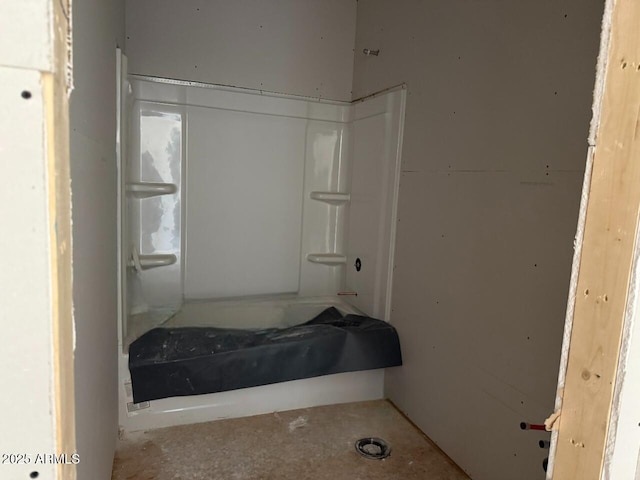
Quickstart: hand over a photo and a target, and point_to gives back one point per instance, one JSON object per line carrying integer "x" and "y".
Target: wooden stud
{"x": 607, "y": 254}
{"x": 56, "y": 101}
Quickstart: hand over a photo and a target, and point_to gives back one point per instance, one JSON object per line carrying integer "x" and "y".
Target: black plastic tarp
{"x": 171, "y": 362}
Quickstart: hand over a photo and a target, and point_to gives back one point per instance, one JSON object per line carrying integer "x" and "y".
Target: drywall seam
{"x": 596, "y": 108}
{"x": 233, "y": 88}
{"x": 400, "y": 86}
{"x": 266, "y": 93}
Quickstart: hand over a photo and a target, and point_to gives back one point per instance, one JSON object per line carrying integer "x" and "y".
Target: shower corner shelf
{"x": 327, "y": 258}
{"x": 145, "y": 262}
{"x": 332, "y": 198}
{"x": 149, "y": 189}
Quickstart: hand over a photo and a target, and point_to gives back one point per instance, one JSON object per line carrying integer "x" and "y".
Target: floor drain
{"x": 375, "y": 448}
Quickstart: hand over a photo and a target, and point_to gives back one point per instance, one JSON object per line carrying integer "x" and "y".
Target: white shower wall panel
{"x": 324, "y": 224}
{"x": 279, "y": 195}
{"x": 245, "y": 170}
{"x": 244, "y": 209}
{"x": 156, "y": 221}
{"x": 377, "y": 138}
{"x": 273, "y": 194}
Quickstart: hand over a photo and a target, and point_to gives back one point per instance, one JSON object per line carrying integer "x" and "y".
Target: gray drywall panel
{"x": 302, "y": 47}
{"x": 498, "y": 110}
{"x": 98, "y": 25}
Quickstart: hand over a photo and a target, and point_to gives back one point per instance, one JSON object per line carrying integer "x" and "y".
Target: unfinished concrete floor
{"x": 314, "y": 443}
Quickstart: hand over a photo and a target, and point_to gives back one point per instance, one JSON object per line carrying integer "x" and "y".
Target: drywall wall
{"x": 302, "y": 47}
{"x": 97, "y": 26}
{"x": 26, "y": 19}
{"x": 27, "y": 276}
{"x": 36, "y": 308}
{"x": 497, "y": 118}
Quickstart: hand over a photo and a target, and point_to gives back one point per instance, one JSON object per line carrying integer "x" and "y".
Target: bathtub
{"x": 280, "y": 311}
{"x": 242, "y": 196}
{"x": 250, "y": 313}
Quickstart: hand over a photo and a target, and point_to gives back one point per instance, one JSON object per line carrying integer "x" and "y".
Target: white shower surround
{"x": 273, "y": 199}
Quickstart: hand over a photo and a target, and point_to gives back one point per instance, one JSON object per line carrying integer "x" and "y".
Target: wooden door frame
{"x": 603, "y": 281}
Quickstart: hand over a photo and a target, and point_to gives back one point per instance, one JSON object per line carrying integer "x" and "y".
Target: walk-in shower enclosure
{"x": 245, "y": 209}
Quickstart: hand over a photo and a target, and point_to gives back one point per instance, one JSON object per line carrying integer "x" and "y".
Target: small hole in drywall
{"x": 34, "y": 475}
{"x": 26, "y": 94}
{"x": 624, "y": 65}
{"x": 586, "y": 292}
